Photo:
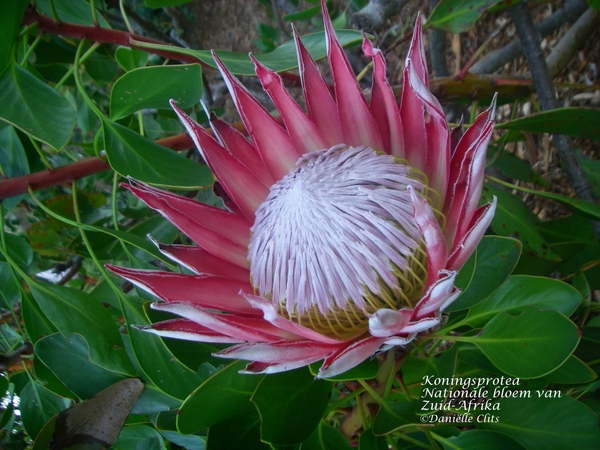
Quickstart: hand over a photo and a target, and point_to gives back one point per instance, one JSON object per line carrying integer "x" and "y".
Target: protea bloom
{"x": 346, "y": 226}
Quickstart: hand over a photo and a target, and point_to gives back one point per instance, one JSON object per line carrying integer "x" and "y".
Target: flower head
{"x": 346, "y": 226}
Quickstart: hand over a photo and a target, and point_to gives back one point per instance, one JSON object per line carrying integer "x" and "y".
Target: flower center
{"x": 335, "y": 240}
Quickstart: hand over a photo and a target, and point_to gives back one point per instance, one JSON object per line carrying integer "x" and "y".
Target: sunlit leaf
{"x": 520, "y": 291}
{"x": 153, "y": 87}
{"x": 530, "y": 344}
{"x": 281, "y": 59}
{"x": 132, "y": 155}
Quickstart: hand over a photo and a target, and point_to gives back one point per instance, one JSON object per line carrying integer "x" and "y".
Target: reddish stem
{"x": 99, "y": 34}
{"x": 46, "y": 178}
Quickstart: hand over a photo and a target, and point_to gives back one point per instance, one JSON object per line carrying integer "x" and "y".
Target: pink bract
{"x": 347, "y": 225}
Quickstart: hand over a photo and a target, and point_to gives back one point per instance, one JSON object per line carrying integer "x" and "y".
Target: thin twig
{"x": 375, "y": 14}
{"x": 573, "y": 40}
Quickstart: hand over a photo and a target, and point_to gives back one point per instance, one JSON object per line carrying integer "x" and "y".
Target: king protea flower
{"x": 345, "y": 227}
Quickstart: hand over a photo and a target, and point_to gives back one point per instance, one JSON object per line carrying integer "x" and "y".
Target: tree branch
{"x": 10, "y": 187}
{"x": 532, "y": 47}
{"x": 495, "y": 60}
{"x": 375, "y": 14}
{"x": 572, "y": 41}
{"x": 99, "y": 34}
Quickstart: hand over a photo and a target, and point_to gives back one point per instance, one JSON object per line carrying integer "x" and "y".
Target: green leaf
{"x": 592, "y": 171}
{"x": 35, "y": 108}
{"x": 139, "y": 437}
{"x": 10, "y": 21}
{"x": 227, "y": 392}
{"x": 10, "y": 293}
{"x": 594, "y": 4}
{"x": 132, "y": 155}
{"x": 517, "y": 168}
{"x": 241, "y": 432}
{"x": 591, "y": 210}
{"x": 68, "y": 358}
{"x": 368, "y": 441}
{"x": 306, "y": 14}
{"x": 130, "y": 58}
{"x": 13, "y": 160}
{"x": 580, "y": 122}
{"x": 530, "y": 344}
{"x": 514, "y": 219}
{"x": 73, "y": 311}
{"x": 496, "y": 258}
{"x": 282, "y": 59}
{"x": 69, "y": 11}
{"x": 573, "y": 371}
{"x": 153, "y": 87}
{"x": 548, "y": 423}
{"x": 166, "y": 424}
{"x": 164, "y": 3}
{"x": 393, "y": 415}
{"x": 480, "y": 439}
{"x": 520, "y": 291}
{"x": 18, "y": 249}
{"x": 325, "y": 437}
{"x": 366, "y": 370}
{"x": 457, "y": 16}
{"x": 38, "y": 405}
{"x": 36, "y": 322}
{"x": 155, "y": 359}
{"x": 290, "y": 397}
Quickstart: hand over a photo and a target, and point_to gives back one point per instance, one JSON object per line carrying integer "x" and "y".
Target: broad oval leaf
{"x": 35, "y": 108}
{"x": 556, "y": 423}
{"x": 18, "y": 250}
{"x": 69, "y": 359}
{"x": 73, "y": 311}
{"x": 153, "y": 87}
{"x": 13, "y": 159}
{"x": 10, "y": 20}
{"x": 153, "y": 356}
{"x": 480, "y": 439}
{"x": 290, "y": 397}
{"x": 530, "y": 344}
{"x": 38, "y": 405}
{"x": 131, "y": 155}
{"x": 496, "y": 258}
{"x": 325, "y": 437}
{"x": 520, "y": 291}
{"x": 513, "y": 219}
{"x": 130, "y": 58}
{"x": 219, "y": 399}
